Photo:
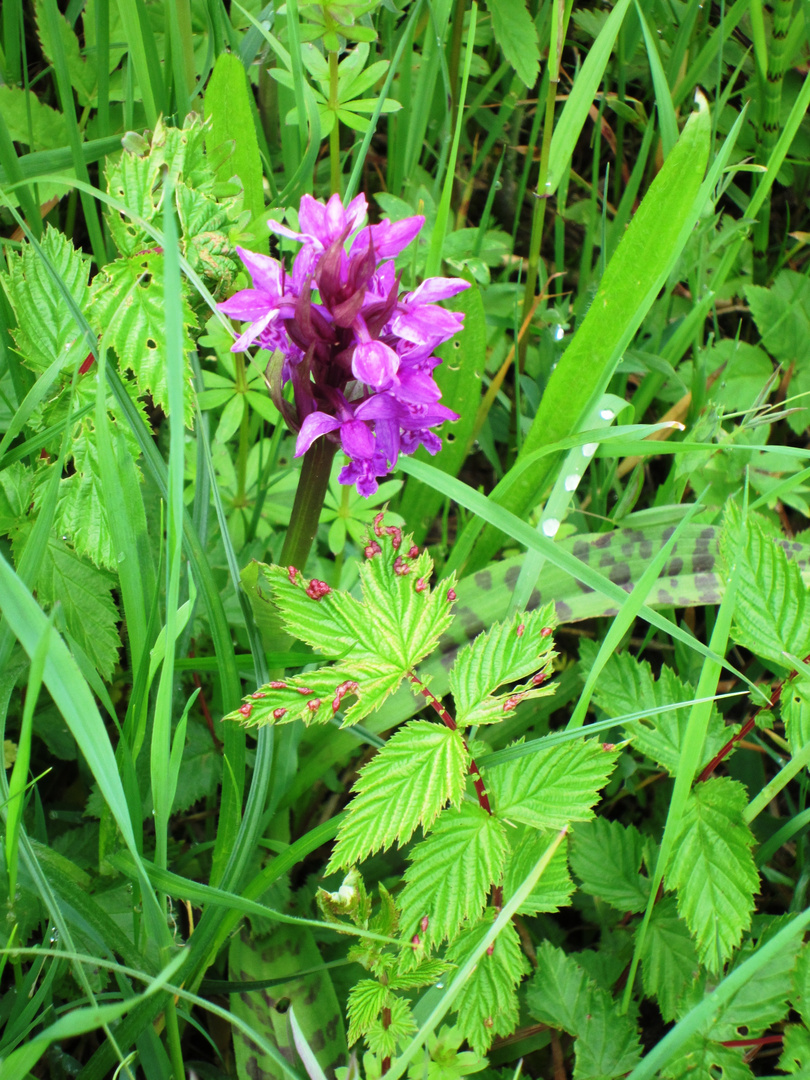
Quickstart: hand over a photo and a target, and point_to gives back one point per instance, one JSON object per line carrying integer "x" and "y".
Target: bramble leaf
{"x": 516, "y": 34}
{"x": 366, "y": 1001}
{"x": 627, "y": 685}
{"x": 421, "y": 768}
{"x": 554, "y": 786}
{"x": 451, "y": 873}
{"x": 795, "y": 706}
{"x": 700, "y": 1057}
{"x": 772, "y": 613}
{"x": 488, "y": 1006}
{"x": 713, "y": 869}
{"x": 606, "y": 856}
{"x": 48, "y": 126}
{"x": 555, "y": 886}
{"x": 45, "y": 327}
{"x": 128, "y": 301}
{"x": 508, "y": 651}
{"x": 561, "y": 994}
{"x": 669, "y": 962}
{"x": 384, "y": 1040}
{"x": 795, "y": 1057}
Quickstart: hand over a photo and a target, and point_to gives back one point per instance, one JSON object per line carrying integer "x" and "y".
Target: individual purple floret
{"x": 358, "y": 354}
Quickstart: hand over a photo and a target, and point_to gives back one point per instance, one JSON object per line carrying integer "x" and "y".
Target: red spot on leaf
{"x": 520, "y": 629}
{"x": 414, "y": 552}
{"x": 511, "y": 702}
{"x": 538, "y": 679}
{"x": 451, "y": 595}
{"x": 421, "y": 585}
{"x": 277, "y": 685}
{"x": 278, "y": 713}
{"x": 491, "y": 949}
{"x": 424, "y": 923}
{"x": 401, "y": 568}
{"x": 372, "y": 549}
{"x": 489, "y": 1022}
{"x": 259, "y": 694}
{"x": 608, "y": 746}
{"x": 292, "y": 574}
{"x": 546, "y": 631}
{"x": 314, "y": 704}
{"x": 316, "y": 590}
{"x": 415, "y": 941}
{"x": 304, "y": 689}
{"x": 86, "y": 364}
{"x": 345, "y": 688}
{"x": 246, "y": 709}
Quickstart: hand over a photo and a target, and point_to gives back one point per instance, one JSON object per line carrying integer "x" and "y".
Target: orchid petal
{"x": 315, "y": 425}
{"x": 374, "y": 364}
{"x": 436, "y": 288}
{"x": 266, "y": 273}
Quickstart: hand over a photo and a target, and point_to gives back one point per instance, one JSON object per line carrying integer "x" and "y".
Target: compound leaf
{"x": 488, "y": 1005}
{"x": 553, "y": 786}
{"x": 407, "y": 784}
{"x": 713, "y": 869}
{"x": 451, "y": 873}
{"x": 606, "y": 856}
{"x": 508, "y": 651}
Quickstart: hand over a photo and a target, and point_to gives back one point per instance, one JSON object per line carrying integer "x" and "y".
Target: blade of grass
{"x": 667, "y": 120}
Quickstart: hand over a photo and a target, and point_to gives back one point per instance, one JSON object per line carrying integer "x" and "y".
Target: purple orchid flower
{"x": 359, "y": 356}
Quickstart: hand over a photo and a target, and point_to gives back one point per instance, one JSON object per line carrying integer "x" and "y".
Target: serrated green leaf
{"x": 627, "y": 685}
{"x": 488, "y": 1005}
{"x": 427, "y": 973}
{"x": 201, "y": 771}
{"x": 84, "y": 596}
{"x": 554, "y": 786}
{"x": 699, "y": 1057}
{"x": 713, "y": 869}
{"x": 451, "y": 873}
{"x": 801, "y": 985}
{"x": 48, "y": 128}
{"x": 366, "y": 1001}
{"x": 554, "y": 888}
{"x": 606, "y": 856}
{"x": 795, "y": 1057}
{"x": 517, "y": 36}
{"x": 782, "y": 315}
{"x": 16, "y": 483}
{"x": 772, "y": 615}
{"x": 83, "y": 76}
{"x": 383, "y": 1041}
{"x": 128, "y": 298}
{"x": 508, "y": 651}
{"x": 45, "y": 327}
{"x": 669, "y": 961}
{"x": 421, "y": 768}
{"x": 561, "y": 994}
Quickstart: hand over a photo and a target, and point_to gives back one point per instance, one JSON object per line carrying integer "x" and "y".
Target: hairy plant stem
{"x": 306, "y": 511}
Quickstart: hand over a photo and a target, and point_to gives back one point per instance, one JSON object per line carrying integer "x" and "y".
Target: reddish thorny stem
{"x": 475, "y": 772}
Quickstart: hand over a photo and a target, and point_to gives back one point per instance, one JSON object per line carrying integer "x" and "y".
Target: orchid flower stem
{"x": 334, "y": 135}
{"x": 306, "y": 511}
{"x": 244, "y": 432}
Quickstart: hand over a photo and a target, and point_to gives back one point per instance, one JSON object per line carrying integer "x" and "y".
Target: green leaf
{"x": 45, "y": 327}
{"x": 551, "y": 787}
{"x": 561, "y": 994}
{"x": 488, "y": 1006}
{"x": 554, "y": 888}
{"x": 700, "y": 1057}
{"x": 383, "y": 1041}
{"x": 606, "y": 856}
{"x": 669, "y": 961}
{"x": 420, "y": 769}
{"x": 745, "y": 370}
{"x": 772, "y": 615}
{"x": 80, "y": 512}
{"x": 627, "y": 686}
{"x": 782, "y": 315}
{"x": 48, "y": 128}
{"x": 83, "y": 76}
{"x": 713, "y": 869}
{"x": 84, "y": 596}
{"x": 451, "y": 874}
{"x": 517, "y": 36}
{"x": 128, "y": 300}
{"x": 16, "y": 482}
{"x": 366, "y": 1001}
{"x": 508, "y": 651}
{"x": 801, "y": 986}
{"x": 795, "y": 706}
{"x": 795, "y": 1058}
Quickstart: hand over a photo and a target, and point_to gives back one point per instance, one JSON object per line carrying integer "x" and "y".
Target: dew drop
{"x": 121, "y": 556}
{"x": 607, "y": 414}
{"x": 571, "y": 482}
{"x": 54, "y": 936}
{"x": 589, "y": 449}
{"x": 559, "y": 333}
{"x": 550, "y": 526}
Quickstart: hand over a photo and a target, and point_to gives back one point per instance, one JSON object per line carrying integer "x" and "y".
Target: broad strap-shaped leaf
{"x": 669, "y": 960}
{"x": 713, "y": 869}
{"x": 627, "y": 685}
{"x": 606, "y": 856}
{"x": 508, "y": 651}
{"x": 379, "y": 640}
{"x": 128, "y": 302}
{"x": 562, "y": 995}
{"x": 772, "y": 613}
{"x": 555, "y": 886}
{"x": 420, "y": 769}
{"x": 45, "y": 327}
{"x": 553, "y": 786}
{"x": 451, "y": 874}
{"x": 488, "y": 1005}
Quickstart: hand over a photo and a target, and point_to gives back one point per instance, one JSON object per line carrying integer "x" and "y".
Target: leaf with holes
{"x": 627, "y": 685}
{"x": 606, "y": 856}
{"x": 508, "y": 651}
{"x": 451, "y": 874}
{"x": 420, "y": 769}
{"x": 698, "y": 1056}
{"x": 128, "y": 301}
{"x": 554, "y": 785}
{"x": 488, "y": 1005}
{"x": 772, "y": 613}
{"x": 713, "y": 869}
